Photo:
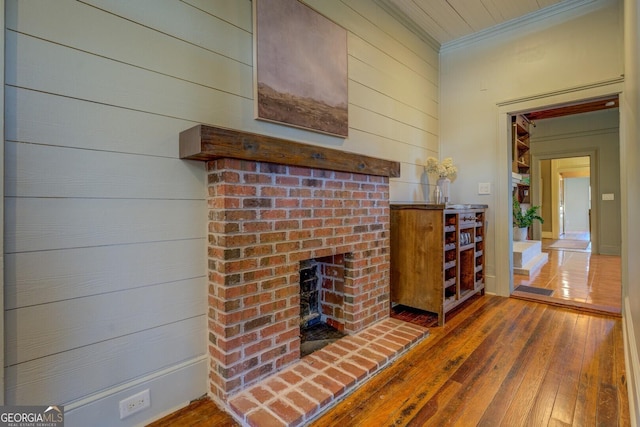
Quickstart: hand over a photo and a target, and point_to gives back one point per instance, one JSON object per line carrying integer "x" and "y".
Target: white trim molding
{"x": 632, "y": 362}
{"x": 507, "y": 108}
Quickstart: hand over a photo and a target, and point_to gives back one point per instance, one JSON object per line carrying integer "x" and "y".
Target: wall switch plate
{"x": 607, "y": 196}
{"x": 134, "y": 404}
{"x": 484, "y": 188}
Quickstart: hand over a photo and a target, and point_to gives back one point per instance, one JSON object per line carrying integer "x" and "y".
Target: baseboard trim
{"x": 170, "y": 389}
{"x": 490, "y": 284}
{"x": 632, "y": 363}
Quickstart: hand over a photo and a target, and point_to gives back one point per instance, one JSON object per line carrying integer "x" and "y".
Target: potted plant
{"x": 522, "y": 220}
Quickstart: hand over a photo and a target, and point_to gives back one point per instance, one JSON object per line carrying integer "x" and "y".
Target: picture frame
{"x": 300, "y": 67}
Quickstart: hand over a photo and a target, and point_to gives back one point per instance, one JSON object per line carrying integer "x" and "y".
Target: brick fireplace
{"x": 275, "y": 204}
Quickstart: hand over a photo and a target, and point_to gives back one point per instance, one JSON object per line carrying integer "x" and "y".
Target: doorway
{"x": 564, "y": 179}
{"x": 564, "y": 196}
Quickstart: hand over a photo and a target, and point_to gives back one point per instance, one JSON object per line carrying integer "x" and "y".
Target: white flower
{"x": 444, "y": 169}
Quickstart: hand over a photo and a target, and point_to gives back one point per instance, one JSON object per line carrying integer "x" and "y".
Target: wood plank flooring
{"x": 496, "y": 362}
{"x": 578, "y": 278}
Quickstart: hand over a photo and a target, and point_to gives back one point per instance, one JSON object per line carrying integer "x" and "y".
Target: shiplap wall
{"x": 105, "y": 227}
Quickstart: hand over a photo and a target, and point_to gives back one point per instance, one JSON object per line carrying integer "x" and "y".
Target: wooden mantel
{"x": 205, "y": 143}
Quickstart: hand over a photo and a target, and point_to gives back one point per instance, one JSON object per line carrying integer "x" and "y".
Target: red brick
{"x": 287, "y": 203}
{"x": 260, "y": 372}
{"x": 264, "y": 418}
{"x": 329, "y": 384}
{"x": 322, "y": 396}
{"x": 288, "y": 180}
{"x": 257, "y": 226}
{"x": 258, "y": 250}
{"x": 237, "y": 190}
{"x": 286, "y": 411}
{"x": 300, "y": 234}
{"x": 256, "y": 178}
{"x": 299, "y": 171}
{"x": 291, "y": 377}
{"x": 273, "y": 192}
{"x": 273, "y": 214}
{"x": 273, "y": 237}
{"x": 273, "y": 329}
{"x": 258, "y": 347}
{"x": 302, "y": 193}
{"x": 306, "y": 406}
{"x": 341, "y": 377}
{"x": 241, "y": 405}
{"x": 363, "y": 362}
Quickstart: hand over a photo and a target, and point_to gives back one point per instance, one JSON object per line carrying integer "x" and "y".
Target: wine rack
{"x": 437, "y": 256}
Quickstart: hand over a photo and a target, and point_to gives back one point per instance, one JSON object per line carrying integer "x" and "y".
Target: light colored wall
{"x": 630, "y": 177}
{"x": 558, "y": 59}
{"x": 577, "y": 135}
{"x": 545, "y": 202}
{"x": 577, "y": 204}
{"x": 105, "y": 227}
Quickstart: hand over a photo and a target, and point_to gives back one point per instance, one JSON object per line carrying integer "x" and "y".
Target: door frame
{"x": 503, "y": 212}
{"x": 593, "y": 155}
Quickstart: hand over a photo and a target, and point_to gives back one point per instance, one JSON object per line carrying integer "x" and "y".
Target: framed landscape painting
{"x": 300, "y": 67}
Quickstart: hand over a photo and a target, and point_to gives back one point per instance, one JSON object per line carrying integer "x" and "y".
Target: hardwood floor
{"x": 497, "y": 361}
{"x": 578, "y": 278}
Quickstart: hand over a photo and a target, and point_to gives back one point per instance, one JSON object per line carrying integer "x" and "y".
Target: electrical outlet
{"x": 134, "y": 404}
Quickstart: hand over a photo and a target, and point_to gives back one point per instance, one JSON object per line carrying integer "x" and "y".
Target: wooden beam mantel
{"x": 205, "y": 143}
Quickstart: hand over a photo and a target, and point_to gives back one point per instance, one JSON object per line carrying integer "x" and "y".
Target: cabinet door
{"x": 417, "y": 258}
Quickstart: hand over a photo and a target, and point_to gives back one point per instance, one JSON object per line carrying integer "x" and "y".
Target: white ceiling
{"x": 449, "y": 20}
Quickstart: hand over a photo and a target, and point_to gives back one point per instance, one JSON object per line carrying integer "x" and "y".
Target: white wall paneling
{"x": 69, "y": 376}
{"x": 105, "y": 227}
{"x": 54, "y": 223}
{"x": 41, "y": 277}
{"x": 46, "y": 119}
{"x": 187, "y": 379}
{"x": 104, "y": 316}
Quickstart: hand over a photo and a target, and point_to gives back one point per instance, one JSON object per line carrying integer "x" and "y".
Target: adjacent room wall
{"x": 597, "y": 133}
{"x": 545, "y": 203}
{"x": 105, "y": 230}
{"x": 523, "y": 65}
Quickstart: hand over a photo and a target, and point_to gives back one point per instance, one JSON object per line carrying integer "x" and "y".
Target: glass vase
{"x": 443, "y": 184}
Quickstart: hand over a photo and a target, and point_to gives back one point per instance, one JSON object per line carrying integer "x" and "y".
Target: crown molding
{"x": 401, "y": 17}
{"x": 542, "y": 14}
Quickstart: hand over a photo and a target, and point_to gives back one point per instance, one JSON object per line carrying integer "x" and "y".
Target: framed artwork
{"x": 300, "y": 67}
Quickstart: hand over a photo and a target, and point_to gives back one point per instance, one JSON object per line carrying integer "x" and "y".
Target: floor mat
{"x": 570, "y": 244}
{"x": 534, "y": 290}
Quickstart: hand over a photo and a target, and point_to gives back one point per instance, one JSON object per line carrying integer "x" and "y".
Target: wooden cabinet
{"x": 521, "y": 163}
{"x": 437, "y": 256}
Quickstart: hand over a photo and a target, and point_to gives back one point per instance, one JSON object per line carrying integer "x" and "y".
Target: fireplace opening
{"x": 321, "y": 302}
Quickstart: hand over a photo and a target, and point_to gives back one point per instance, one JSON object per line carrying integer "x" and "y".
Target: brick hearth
{"x": 304, "y": 390}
